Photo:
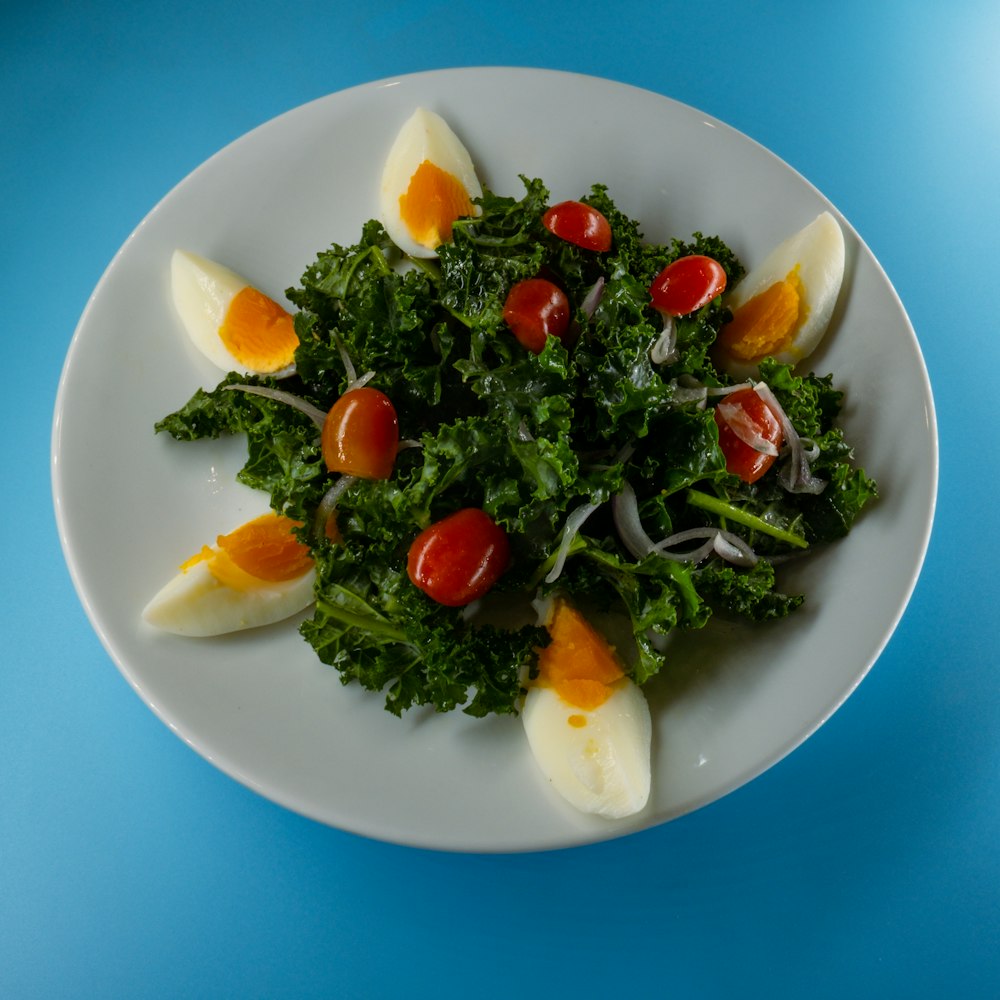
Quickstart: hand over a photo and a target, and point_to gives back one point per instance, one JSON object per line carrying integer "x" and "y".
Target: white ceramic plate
{"x": 259, "y": 705}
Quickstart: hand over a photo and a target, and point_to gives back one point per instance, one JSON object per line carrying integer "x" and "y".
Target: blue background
{"x": 866, "y": 864}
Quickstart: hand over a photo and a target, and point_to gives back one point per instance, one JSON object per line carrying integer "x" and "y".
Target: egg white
{"x": 602, "y": 767}
{"x": 195, "y": 603}
{"x": 817, "y": 250}
{"x": 202, "y": 292}
{"x": 424, "y": 136}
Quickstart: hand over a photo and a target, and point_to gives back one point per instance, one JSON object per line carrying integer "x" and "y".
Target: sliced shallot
{"x": 746, "y": 429}
{"x": 725, "y": 544}
{"x": 574, "y": 521}
{"x": 733, "y": 549}
{"x": 280, "y": 396}
{"x": 625, "y": 512}
{"x": 689, "y": 390}
{"x": 593, "y": 298}
{"x": 354, "y": 380}
{"x": 664, "y": 348}
{"x": 329, "y": 502}
{"x": 795, "y": 474}
{"x": 349, "y": 368}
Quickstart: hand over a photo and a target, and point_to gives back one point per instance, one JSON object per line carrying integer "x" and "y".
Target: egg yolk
{"x": 432, "y": 202}
{"x": 259, "y": 552}
{"x": 766, "y": 324}
{"x": 578, "y": 663}
{"x": 258, "y": 332}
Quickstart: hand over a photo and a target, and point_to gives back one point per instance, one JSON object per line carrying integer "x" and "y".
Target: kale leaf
{"x": 529, "y": 438}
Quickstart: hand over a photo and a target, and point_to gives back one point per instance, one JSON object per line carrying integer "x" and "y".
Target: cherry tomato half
{"x": 687, "y": 284}
{"x": 743, "y": 417}
{"x": 361, "y": 434}
{"x": 459, "y": 558}
{"x": 579, "y": 224}
{"x": 536, "y": 309}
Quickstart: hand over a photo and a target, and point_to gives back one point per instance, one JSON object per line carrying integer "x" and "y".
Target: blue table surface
{"x": 865, "y": 864}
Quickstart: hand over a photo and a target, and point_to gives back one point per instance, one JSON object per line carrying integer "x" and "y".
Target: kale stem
{"x": 367, "y": 622}
{"x": 723, "y": 509}
{"x": 461, "y": 317}
{"x": 374, "y": 256}
{"x": 428, "y": 267}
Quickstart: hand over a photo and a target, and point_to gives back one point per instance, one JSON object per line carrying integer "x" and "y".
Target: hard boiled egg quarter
{"x": 428, "y": 182}
{"x": 783, "y": 306}
{"x": 256, "y": 575}
{"x": 587, "y": 723}
{"x": 236, "y": 326}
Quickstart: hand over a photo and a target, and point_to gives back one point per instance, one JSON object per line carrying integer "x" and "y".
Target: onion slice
{"x": 725, "y": 544}
{"x": 664, "y": 348}
{"x": 625, "y": 512}
{"x": 593, "y": 298}
{"x": 354, "y": 380}
{"x": 574, "y": 521}
{"x": 330, "y": 500}
{"x": 795, "y": 474}
{"x": 746, "y": 429}
{"x": 357, "y": 383}
{"x": 734, "y": 549}
{"x": 725, "y": 390}
{"x": 315, "y": 414}
{"x": 689, "y": 390}
{"x": 345, "y": 358}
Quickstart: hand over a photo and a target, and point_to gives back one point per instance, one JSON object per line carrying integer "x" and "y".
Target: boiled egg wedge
{"x": 588, "y": 725}
{"x": 428, "y": 182}
{"x": 256, "y": 575}
{"x": 235, "y": 325}
{"x": 782, "y": 307}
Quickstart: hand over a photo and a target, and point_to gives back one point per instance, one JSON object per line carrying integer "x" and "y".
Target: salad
{"x": 529, "y": 415}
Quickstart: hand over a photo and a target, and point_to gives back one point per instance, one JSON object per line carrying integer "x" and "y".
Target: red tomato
{"x": 579, "y": 224}
{"x": 536, "y": 309}
{"x": 459, "y": 558}
{"x": 361, "y": 434}
{"x": 745, "y": 420}
{"x": 687, "y": 284}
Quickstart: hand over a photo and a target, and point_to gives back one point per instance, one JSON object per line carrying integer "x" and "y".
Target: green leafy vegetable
{"x": 528, "y": 438}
